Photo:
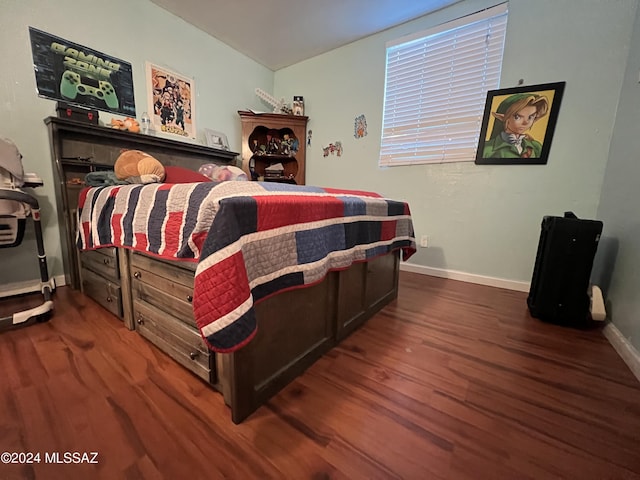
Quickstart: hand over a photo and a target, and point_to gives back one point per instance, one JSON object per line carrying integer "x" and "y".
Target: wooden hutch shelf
{"x": 270, "y": 139}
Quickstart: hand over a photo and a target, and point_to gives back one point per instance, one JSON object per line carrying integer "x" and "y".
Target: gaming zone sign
{"x": 72, "y": 73}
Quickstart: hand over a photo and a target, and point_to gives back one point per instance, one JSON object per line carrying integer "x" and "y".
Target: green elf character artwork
{"x": 514, "y": 117}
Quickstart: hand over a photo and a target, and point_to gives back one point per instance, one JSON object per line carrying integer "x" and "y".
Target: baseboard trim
{"x": 466, "y": 277}
{"x": 625, "y": 349}
{"x": 21, "y": 288}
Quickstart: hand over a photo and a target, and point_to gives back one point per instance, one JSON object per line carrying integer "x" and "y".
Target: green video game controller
{"x": 72, "y": 85}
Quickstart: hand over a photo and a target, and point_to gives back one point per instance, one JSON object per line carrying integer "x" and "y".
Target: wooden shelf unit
{"x": 256, "y": 127}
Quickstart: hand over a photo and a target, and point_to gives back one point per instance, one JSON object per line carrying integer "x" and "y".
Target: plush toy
{"x": 135, "y": 166}
{"x": 130, "y": 124}
{"x": 221, "y": 173}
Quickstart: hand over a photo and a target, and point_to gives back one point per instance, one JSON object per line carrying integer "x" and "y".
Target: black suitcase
{"x": 562, "y": 271}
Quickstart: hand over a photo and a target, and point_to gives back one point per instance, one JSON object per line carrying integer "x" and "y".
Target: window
{"x": 436, "y": 86}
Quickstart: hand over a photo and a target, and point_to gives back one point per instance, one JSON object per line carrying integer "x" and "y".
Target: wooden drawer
{"x": 363, "y": 289}
{"x": 181, "y": 342}
{"x": 380, "y": 281}
{"x": 164, "y": 285}
{"x": 181, "y": 273}
{"x": 103, "y": 261}
{"x": 102, "y": 290}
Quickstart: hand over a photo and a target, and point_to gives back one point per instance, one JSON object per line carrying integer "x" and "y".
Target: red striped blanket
{"x": 250, "y": 239}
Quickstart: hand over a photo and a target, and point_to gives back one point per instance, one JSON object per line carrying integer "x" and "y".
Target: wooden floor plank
{"x": 451, "y": 381}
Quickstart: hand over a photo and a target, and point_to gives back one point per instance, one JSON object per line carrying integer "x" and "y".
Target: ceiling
{"x": 279, "y": 33}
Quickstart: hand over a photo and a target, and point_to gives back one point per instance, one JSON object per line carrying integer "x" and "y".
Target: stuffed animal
{"x": 130, "y": 124}
{"x": 135, "y": 166}
{"x": 221, "y": 173}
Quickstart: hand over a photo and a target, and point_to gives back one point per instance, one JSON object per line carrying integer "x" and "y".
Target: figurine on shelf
{"x": 289, "y": 145}
{"x": 286, "y": 144}
{"x": 129, "y": 124}
{"x": 298, "y": 105}
{"x": 273, "y": 142}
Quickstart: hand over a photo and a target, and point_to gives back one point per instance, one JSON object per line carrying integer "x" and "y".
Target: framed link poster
{"x": 518, "y": 125}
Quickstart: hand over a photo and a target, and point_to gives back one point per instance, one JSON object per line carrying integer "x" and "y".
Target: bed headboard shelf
{"x": 78, "y": 148}
{"x": 148, "y": 143}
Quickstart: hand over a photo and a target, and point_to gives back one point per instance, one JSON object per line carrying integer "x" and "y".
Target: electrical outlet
{"x": 424, "y": 241}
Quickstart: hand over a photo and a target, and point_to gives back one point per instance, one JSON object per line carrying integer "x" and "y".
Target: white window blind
{"x": 436, "y": 87}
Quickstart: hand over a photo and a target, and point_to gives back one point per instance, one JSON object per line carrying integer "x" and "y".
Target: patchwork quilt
{"x": 251, "y": 240}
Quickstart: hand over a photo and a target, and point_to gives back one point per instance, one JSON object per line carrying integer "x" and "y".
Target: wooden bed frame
{"x": 285, "y": 346}
{"x": 153, "y": 297}
{"x": 295, "y": 328}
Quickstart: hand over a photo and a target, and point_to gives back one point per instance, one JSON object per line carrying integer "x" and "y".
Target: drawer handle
{"x": 105, "y": 261}
{"x": 109, "y": 299}
{"x": 194, "y": 355}
{"x": 137, "y": 274}
{"x": 140, "y": 320}
{"x": 189, "y": 298}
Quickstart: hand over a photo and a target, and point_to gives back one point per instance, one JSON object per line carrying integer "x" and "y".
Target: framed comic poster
{"x": 76, "y": 74}
{"x": 171, "y": 104}
{"x": 518, "y": 125}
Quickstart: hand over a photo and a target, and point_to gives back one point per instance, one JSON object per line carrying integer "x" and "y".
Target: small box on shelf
{"x": 73, "y": 112}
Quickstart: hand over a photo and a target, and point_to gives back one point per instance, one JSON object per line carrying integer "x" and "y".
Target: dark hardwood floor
{"x": 451, "y": 381}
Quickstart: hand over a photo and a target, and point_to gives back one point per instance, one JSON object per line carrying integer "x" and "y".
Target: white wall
{"x": 617, "y": 267}
{"x": 483, "y": 220}
{"x": 134, "y": 31}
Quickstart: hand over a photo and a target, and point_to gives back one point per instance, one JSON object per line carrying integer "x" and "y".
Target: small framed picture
{"x": 216, "y": 139}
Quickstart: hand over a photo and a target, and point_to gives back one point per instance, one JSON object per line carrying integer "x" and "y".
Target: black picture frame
{"x": 72, "y": 73}
{"x": 533, "y": 137}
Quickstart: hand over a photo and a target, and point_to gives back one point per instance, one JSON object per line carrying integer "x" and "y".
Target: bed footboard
{"x": 295, "y": 328}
